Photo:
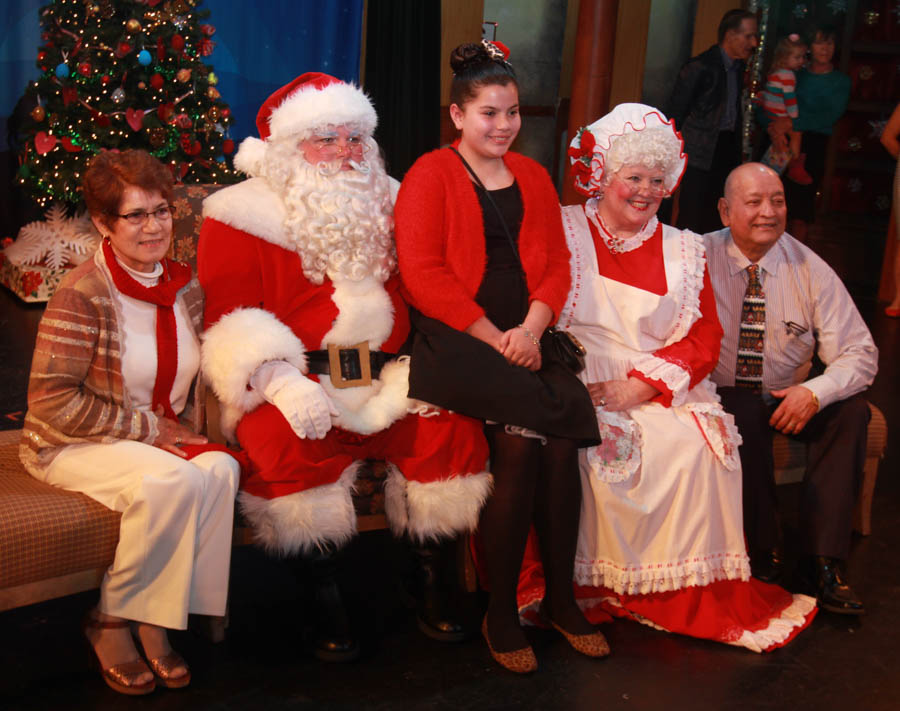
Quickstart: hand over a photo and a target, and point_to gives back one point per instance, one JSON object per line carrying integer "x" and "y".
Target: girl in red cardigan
{"x": 484, "y": 262}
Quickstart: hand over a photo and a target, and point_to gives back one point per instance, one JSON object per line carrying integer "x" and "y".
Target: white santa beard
{"x": 341, "y": 224}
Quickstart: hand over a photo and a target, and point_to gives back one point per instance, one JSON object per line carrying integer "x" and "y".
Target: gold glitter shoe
{"x": 592, "y": 644}
{"x": 520, "y": 661}
{"x": 163, "y": 666}
{"x": 119, "y": 677}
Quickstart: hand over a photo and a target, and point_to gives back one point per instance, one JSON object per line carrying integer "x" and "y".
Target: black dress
{"x": 459, "y": 372}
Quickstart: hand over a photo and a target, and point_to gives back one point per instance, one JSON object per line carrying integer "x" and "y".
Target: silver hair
{"x": 656, "y": 148}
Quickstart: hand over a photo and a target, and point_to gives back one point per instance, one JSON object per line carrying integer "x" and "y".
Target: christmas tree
{"x": 122, "y": 74}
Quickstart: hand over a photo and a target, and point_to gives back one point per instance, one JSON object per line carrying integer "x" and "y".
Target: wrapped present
{"x": 33, "y": 282}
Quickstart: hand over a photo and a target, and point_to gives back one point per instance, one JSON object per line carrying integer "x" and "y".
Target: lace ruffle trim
{"x": 720, "y": 432}
{"x": 663, "y": 577}
{"x": 676, "y": 378}
{"x": 613, "y": 243}
{"x": 780, "y": 629}
{"x": 693, "y": 253}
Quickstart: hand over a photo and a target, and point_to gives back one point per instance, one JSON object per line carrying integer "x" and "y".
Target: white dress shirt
{"x": 808, "y": 311}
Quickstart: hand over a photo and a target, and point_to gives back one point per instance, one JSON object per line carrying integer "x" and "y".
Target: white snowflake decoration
{"x": 855, "y": 185}
{"x": 57, "y": 241}
{"x": 877, "y": 128}
{"x": 838, "y": 6}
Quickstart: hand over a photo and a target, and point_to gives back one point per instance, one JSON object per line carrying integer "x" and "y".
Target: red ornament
{"x": 122, "y": 49}
{"x": 66, "y": 142}
{"x": 42, "y": 55}
{"x": 183, "y": 121}
{"x": 105, "y": 79}
{"x": 165, "y": 111}
{"x": 205, "y": 46}
{"x": 196, "y": 148}
{"x": 227, "y": 146}
{"x": 157, "y": 81}
{"x": 225, "y": 111}
{"x": 185, "y": 142}
{"x": 85, "y": 69}
{"x": 208, "y": 30}
{"x": 177, "y": 43}
{"x": 69, "y": 95}
{"x": 44, "y": 142}
{"x": 102, "y": 120}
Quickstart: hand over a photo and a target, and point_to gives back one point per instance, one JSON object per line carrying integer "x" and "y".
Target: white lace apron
{"x": 662, "y": 494}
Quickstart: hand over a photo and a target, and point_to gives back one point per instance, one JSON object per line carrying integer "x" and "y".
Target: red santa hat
{"x": 311, "y": 101}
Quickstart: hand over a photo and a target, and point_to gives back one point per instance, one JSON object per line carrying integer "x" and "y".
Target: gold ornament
{"x": 213, "y": 93}
{"x": 214, "y": 114}
{"x": 38, "y": 113}
{"x": 212, "y": 79}
{"x": 183, "y": 75}
{"x": 157, "y": 136}
{"x": 133, "y": 26}
{"x": 142, "y": 85}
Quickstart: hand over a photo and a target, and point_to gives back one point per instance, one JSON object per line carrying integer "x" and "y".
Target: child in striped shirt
{"x": 779, "y": 100}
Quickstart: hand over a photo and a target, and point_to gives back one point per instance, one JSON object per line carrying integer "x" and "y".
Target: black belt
{"x": 349, "y": 366}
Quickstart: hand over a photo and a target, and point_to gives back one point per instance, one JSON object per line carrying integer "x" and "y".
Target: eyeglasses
{"x": 138, "y": 218}
{"x": 328, "y": 146}
{"x": 644, "y": 185}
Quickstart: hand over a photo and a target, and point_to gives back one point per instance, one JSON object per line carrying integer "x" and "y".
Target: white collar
{"x": 615, "y": 244}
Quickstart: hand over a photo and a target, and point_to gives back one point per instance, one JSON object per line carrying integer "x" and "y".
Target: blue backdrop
{"x": 260, "y": 46}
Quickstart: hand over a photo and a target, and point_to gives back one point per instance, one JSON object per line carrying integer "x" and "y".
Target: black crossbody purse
{"x": 564, "y": 347}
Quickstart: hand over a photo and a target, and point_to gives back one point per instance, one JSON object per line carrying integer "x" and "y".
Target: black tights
{"x": 540, "y": 484}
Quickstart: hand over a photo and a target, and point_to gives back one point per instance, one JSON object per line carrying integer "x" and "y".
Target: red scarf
{"x": 175, "y": 275}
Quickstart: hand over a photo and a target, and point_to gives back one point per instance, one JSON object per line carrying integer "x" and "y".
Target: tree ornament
{"x": 62, "y": 70}
{"x": 93, "y": 10}
{"x": 165, "y": 111}
{"x": 42, "y": 55}
{"x": 69, "y": 145}
{"x": 183, "y": 121}
{"x": 69, "y": 95}
{"x": 226, "y": 112}
{"x": 135, "y": 118}
{"x": 123, "y": 49}
{"x": 133, "y": 26}
{"x": 44, "y": 142}
{"x": 208, "y": 30}
{"x": 157, "y": 136}
{"x": 212, "y": 79}
{"x": 214, "y": 114}
{"x": 85, "y": 69}
{"x": 118, "y": 96}
{"x": 177, "y": 43}
{"x": 142, "y": 85}
{"x": 183, "y": 75}
{"x": 38, "y": 113}
{"x": 144, "y": 58}
{"x": 157, "y": 81}
{"x": 179, "y": 7}
{"x": 213, "y": 93}
{"x": 228, "y": 146}
{"x": 184, "y": 140}
{"x": 105, "y": 79}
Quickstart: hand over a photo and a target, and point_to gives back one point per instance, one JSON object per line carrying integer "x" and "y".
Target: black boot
{"x": 334, "y": 640}
{"x": 437, "y": 616}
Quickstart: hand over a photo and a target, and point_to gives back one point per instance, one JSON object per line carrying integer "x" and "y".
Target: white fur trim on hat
{"x": 308, "y": 109}
{"x": 251, "y": 156}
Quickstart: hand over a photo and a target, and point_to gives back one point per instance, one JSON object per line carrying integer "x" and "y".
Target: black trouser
{"x": 835, "y": 441}
{"x": 701, "y": 189}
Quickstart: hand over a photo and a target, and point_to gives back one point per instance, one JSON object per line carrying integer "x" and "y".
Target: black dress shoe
{"x": 436, "y": 616}
{"x": 767, "y": 565}
{"x": 832, "y": 591}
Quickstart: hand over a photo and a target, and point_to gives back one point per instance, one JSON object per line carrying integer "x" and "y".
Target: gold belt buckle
{"x": 365, "y": 365}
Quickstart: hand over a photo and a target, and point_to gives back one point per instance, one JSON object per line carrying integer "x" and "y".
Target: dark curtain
{"x": 403, "y": 77}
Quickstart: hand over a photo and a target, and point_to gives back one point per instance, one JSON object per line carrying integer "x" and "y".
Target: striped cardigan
{"x": 76, "y": 392}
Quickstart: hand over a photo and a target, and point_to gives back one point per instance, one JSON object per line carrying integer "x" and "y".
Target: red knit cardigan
{"x": 440, "y": 237}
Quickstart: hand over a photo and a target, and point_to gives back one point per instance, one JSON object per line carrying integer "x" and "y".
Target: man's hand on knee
{"x": 797, "y": 407}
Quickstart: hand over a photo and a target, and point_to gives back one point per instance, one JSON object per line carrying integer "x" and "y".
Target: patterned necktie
{"x": 749, "y": 371}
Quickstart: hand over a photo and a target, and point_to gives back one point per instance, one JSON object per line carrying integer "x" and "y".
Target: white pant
{"x": 174, "y": 546}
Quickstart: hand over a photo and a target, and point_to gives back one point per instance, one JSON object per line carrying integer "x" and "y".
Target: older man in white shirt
{"x": 780, "y": 306}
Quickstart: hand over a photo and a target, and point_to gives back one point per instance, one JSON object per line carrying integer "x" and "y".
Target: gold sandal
{"x": 162, "y": 667}
{"x": 119, "y": 677}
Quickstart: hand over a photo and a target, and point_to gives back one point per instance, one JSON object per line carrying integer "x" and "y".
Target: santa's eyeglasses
{"x": 330, "y": 147}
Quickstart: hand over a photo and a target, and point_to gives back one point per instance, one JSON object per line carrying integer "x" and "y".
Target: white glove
{"x": 304, "y": 404}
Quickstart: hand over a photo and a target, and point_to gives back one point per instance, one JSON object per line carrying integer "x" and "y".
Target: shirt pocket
{"x": 795, "y": 341}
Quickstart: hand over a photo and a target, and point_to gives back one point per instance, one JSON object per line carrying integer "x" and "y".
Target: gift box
{"x": 31, "y": 282}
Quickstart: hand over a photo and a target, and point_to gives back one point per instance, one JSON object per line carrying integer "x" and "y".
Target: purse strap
{"x": 487, "y": 193}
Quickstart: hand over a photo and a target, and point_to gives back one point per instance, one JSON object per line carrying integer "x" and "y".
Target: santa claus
{"x": 304, "y": 319}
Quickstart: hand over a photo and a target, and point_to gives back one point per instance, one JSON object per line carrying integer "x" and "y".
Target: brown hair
{"x": 109, "y": 173}
{"x": 473, "y": 68}
{"x": 731, "y": 21}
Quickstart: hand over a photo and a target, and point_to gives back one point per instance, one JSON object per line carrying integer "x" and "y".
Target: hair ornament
{"x": 497, "y": 51}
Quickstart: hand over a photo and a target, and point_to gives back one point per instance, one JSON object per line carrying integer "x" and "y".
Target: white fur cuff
{"x": 435, "y": 510}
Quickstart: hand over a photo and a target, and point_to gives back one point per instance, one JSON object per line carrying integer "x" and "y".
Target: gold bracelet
{"x": 528, "y": 333}
{"x": 815, "y": 399}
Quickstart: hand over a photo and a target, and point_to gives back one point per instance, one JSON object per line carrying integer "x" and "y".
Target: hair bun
{"x": 472, "y": 54}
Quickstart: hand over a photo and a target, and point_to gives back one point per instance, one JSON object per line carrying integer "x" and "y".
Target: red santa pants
{"x": 424, "y": 449}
